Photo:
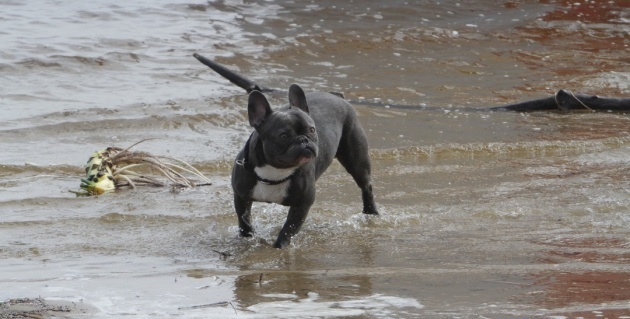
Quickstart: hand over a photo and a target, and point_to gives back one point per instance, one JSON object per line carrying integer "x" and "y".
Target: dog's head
{"x": 288, "y": 136}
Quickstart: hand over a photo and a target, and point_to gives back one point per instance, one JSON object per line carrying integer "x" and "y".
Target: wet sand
{"x": 484, "y": 214}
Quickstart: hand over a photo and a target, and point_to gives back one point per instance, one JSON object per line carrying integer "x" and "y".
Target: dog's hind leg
{"x": 355, "y": 158}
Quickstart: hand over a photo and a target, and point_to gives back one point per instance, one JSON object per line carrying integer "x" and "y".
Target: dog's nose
{"x": 304, "y": 140}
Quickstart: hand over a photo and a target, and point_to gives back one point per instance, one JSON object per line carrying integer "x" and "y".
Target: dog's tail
{"x": 239, "y": 80}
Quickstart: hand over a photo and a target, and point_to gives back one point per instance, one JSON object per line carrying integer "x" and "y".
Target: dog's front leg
{"x": 295, "y": 219}
{"x": 243, "y": 211}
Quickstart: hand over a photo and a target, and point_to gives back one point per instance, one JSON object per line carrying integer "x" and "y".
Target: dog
{"x": 289, "y": 150}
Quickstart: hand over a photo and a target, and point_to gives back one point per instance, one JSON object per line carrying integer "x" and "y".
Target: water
{"x": 484, "y": 215}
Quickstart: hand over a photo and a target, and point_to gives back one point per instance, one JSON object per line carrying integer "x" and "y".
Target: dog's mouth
{"x": 307, "y": 155}
{"x": 296, "y": 156}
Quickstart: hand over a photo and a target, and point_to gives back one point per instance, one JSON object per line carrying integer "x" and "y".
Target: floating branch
{"x": 113, "y": 168}
{"x": 563, "y": 100}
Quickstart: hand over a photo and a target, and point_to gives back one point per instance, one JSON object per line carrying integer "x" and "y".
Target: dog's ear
{"x": 297, "y": 98}
{"x": 258, "y": 108}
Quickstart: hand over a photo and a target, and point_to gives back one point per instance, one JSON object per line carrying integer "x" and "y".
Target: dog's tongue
{"x": 307, "y": 155}
{"x": 305, "y": 159}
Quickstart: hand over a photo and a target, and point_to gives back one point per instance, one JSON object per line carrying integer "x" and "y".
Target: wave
{"x": 494, "y": 149}
{"x": 38, "y": 63}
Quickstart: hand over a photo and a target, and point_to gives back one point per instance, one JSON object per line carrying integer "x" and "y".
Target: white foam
{"x": 609, "y": 157}
{"x": 310, "y": 307}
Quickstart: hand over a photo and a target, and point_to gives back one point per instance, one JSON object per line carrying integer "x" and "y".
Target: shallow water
{"x": 484, "y": 214}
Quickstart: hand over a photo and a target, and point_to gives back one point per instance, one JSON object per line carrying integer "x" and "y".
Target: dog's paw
{"x": 246, "y": 233}
{"x": 282, "y": 243}
{"x": 370, "y": 210}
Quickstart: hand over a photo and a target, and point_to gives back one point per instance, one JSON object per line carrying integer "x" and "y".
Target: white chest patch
{"x": 272, "y": 193}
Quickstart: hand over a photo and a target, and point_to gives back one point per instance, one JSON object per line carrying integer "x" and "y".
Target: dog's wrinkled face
{"x": 289, "y": 138}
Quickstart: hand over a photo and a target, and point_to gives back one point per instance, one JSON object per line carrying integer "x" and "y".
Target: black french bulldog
{"x": 290, "y": 149}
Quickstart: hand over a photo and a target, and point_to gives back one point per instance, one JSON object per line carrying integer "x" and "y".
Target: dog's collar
{"x": 270, "y": 175}
{"x": 273, "y": 182}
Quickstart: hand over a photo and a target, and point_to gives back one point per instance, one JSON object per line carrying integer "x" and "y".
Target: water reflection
{"x": 605, "y": 289}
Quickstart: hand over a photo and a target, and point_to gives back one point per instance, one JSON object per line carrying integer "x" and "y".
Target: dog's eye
{"x": 284, "y": 136}
{"x": 311, "y": 129}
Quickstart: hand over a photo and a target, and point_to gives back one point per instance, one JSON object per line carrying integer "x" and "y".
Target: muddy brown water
{"x": 484, "y": 214}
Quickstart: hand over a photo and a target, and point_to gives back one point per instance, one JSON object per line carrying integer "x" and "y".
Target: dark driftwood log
{"x": 563, "y": 100}
{"x": 566, "y": 101}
